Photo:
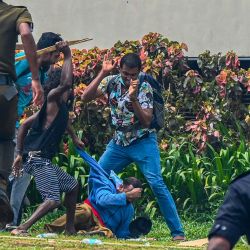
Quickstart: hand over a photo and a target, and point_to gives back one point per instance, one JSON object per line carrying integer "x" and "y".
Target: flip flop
{"x": 19, "y": 232}
{"x": 9, "y": 228}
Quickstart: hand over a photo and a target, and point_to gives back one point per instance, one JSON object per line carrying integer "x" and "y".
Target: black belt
{"x": 6, "y": 80}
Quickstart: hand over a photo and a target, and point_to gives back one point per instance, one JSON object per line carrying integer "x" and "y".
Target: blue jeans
{"x": 145, "y": 153}
{"x": 18, "y": 190}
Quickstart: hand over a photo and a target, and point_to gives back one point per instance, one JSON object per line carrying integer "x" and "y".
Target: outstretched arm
{"x": 78, "y": 143}
{"x": 92, "y": 91}
{"x": 30, "y": 51}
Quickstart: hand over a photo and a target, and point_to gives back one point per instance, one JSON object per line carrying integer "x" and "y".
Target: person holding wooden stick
{"x": 19, "y": 185}
{"x": 14, "y": 20}
{"x": 38, "y": 141}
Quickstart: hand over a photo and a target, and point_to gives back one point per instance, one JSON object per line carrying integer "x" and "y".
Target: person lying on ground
{"x": 233, "y": 218}
{"x": 108, "y": 208}
{"x": 38, "y": 141}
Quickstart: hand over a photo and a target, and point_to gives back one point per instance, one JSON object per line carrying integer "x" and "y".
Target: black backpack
{"x": 158, "y": 102}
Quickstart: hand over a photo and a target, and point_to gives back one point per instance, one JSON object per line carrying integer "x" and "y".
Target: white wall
{"x": 217, "y": 25}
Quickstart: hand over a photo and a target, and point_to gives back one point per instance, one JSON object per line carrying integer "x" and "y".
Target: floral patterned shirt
{"x": 127, "y": 126}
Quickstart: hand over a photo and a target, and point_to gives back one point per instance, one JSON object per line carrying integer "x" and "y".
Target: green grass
{"x": 196, "y": 226}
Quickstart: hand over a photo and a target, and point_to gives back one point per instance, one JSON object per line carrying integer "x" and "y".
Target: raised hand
{"x": 63, "y": 47}
{"x": 108, "y": 64}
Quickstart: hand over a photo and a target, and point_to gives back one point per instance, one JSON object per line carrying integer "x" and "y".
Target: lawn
{"x": 196, "y": 227}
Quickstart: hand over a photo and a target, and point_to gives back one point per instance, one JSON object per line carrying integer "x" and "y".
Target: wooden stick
{"x": 53, "y": 48}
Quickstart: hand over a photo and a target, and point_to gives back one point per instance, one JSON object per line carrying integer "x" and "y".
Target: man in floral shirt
{"x": 131, "y": 104}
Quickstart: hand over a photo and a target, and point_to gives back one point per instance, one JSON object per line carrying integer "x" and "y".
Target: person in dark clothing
{"x": 23, "y": 84}
{"x": 233, "y": 218}
{"x": 38, "y": 141}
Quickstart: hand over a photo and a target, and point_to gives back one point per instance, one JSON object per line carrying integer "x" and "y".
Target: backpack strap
{"x": 156, "y": 86}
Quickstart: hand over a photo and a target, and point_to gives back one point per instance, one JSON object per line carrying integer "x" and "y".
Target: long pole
{"x": 53, "y": 48}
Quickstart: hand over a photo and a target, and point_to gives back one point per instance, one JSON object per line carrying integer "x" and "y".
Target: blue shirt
{"x": 113, "y": 208}
{"x": 23, "y": 83}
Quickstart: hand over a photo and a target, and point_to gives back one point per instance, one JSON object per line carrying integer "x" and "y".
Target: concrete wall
{"x": 217, "y": 25}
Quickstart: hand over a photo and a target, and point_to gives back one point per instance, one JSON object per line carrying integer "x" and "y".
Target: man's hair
{"x": 131, "y": 60}
{"x": 132, "y": 181}
{"x": 48, "y": 39}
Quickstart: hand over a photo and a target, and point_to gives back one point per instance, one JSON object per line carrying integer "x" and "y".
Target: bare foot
{"x": 19, "y": 232}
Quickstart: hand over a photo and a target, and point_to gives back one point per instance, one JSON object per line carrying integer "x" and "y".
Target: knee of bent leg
{"x": 53, "y": 204}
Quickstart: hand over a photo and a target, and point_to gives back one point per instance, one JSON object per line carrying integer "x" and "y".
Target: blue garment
{"x": 113, "y": 208}
{"x": 23, "y": 83}
{"x": 118, "y": 182}
{"x": 145, "y": 153}
{"x": 18, "y": 191}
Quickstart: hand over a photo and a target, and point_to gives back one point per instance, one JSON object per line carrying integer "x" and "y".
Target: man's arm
{"x": 22, "y": 132}
{"x": 106, "y": 198}
{"x": 78, "y": 143}
{"x": 66, "y": 76}
{"x": 92, "y": 91}
{"x": 144, "y": 115}
{"x": 30, "y": 51}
